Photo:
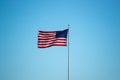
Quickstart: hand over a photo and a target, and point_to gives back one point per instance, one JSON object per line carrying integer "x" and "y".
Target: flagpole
{"x": 68, "y": 52}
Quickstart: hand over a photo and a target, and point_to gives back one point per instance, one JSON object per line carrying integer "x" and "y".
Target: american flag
{"x": 52, "y": 38}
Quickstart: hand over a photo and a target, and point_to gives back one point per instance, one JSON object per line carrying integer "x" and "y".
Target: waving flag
{"x": 52, "y": 38}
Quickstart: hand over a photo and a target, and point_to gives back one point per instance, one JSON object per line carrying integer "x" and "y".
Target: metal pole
{"x": 68, "y": 52}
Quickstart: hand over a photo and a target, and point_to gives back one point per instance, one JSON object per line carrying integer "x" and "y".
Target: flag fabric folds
{"x": 52, "y": 38}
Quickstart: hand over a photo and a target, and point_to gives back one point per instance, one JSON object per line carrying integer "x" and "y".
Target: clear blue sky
{"x": 94, "y": 39}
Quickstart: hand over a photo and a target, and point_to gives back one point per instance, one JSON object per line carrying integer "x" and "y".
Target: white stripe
{"x": 61, "y": 38}
{"x": 47, "y": 40}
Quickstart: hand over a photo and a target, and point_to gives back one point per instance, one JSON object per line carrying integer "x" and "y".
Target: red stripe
{"x": 46, "y": 35}
{"x": 44, "y": 38}
{"x": 51, "y": 40}
{"x": 46, "y": 43}
{"x": 52, "y": 43}
{"x": 59, "y": 42}
{"x": 44, "y": 46}
{"x": 60, "y": 45}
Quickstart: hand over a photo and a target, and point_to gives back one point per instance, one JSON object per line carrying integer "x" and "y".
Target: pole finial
{"x": 68, "y": 25}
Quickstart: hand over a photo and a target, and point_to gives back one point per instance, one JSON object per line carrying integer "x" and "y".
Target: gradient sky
{"x": 94, "y": 39}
